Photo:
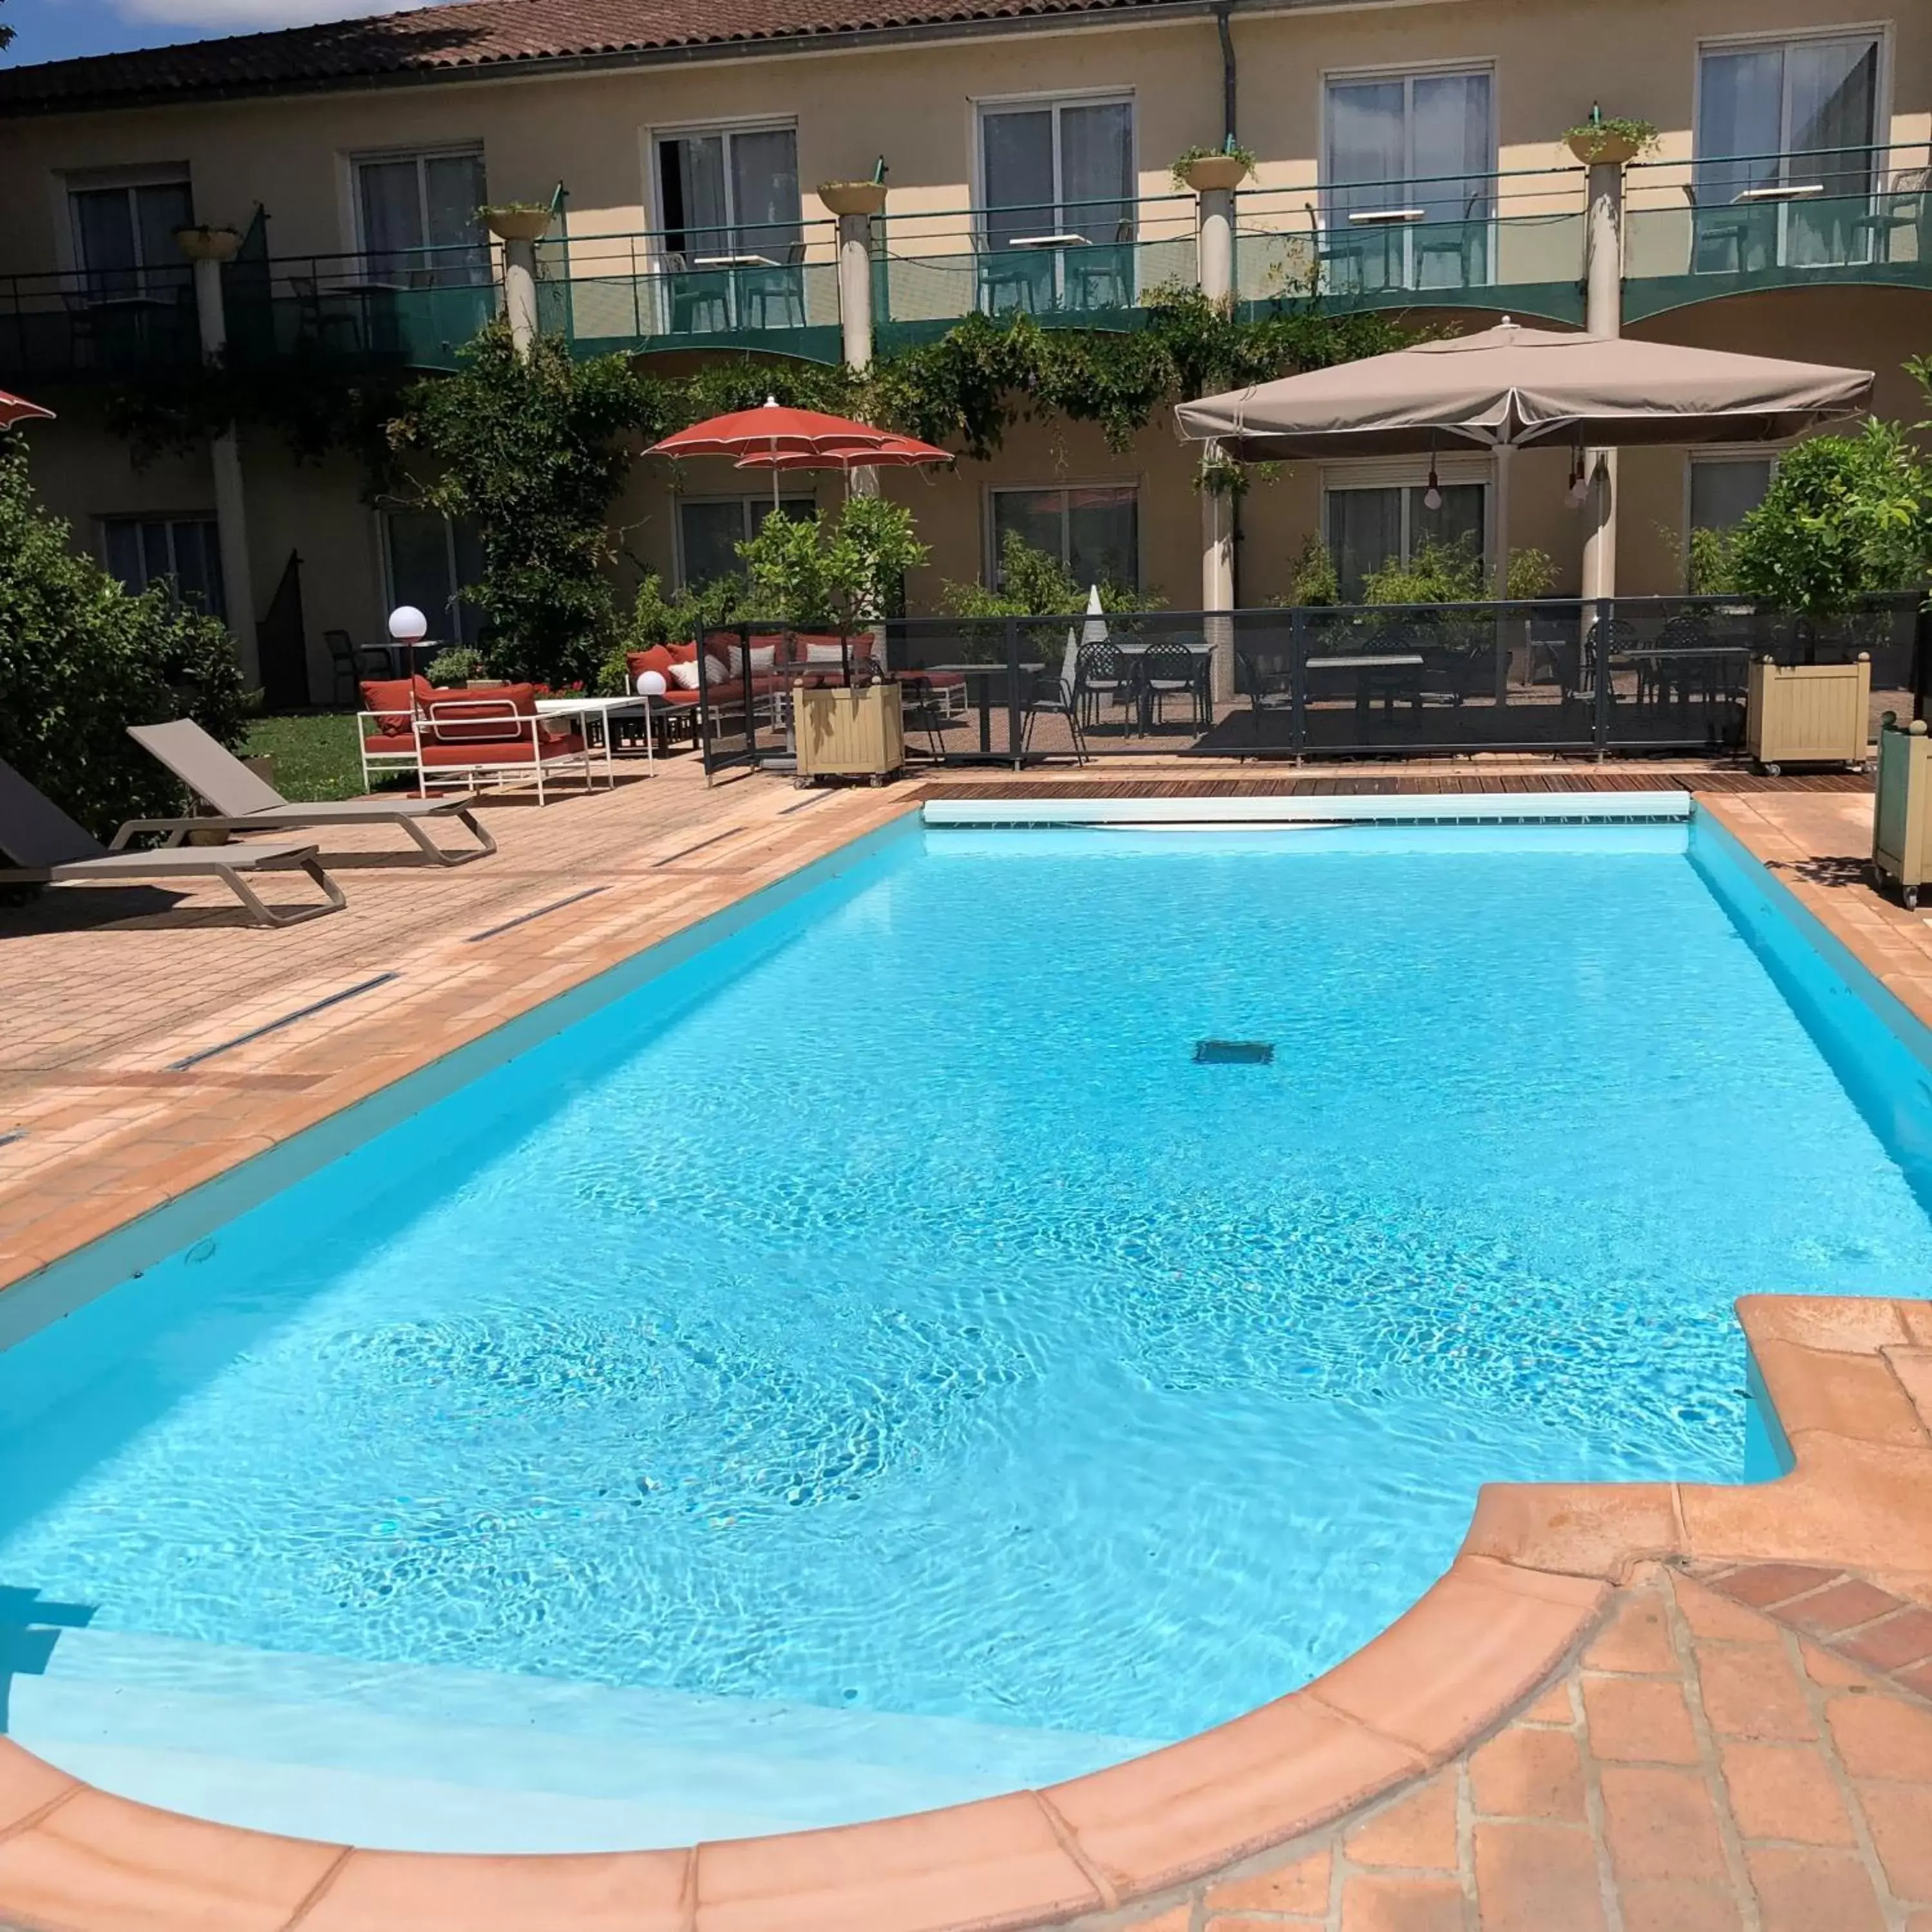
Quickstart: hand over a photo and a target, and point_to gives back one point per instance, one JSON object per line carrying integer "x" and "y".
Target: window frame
{"x": 745, "y": 499}
{"x": 728, "y": 128}
{"x": 363, "y": 158}
{"x": 1405, "y": 474}
{"x": 453, "y": 613}
{"x": 990, "y": 542}
{"x": 1719, "y": 452}
{"x": 128, "y": 180}
{"x": 170, "y": 520}
{"x": 1055, "y": 99}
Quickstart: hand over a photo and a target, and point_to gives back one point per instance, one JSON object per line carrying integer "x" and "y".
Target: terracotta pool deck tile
{"x": 389, "y": 1891}
{"x": 1830, "y": 1672}
{"x": 1872, "y": 1324}
{"x": 1537, "y": 1878}
{"x": 1661, "y": 1824}
{"x": 1655, "y": 1905}
{"x": 1881, "y": 1737}
{"x": 1636, "y": 1639}
{"x": 1849, "y": 1503}
{"x": 996, "y": 1863}
{"x": 1417, "y": 1832}
{"x": 1587, "y": 1530}
{"x": 1806, "y": 1890}
{"x": 1841, "y": 1607}
{"x": 1221, "y": 1797}
{"x": 1900, "y": 1818}
{"x": 1635, "y": 1720}
{"x": 1755, "y": 1694}
{"x": 1912, "y": 1363}
{"x": 1843, "y": 1394}
{"x": 1527, "y": 1773}
{"x": 1373, "y": 1902}
{"x": 1717, "y": 1618}
{"x": 28, "y": 1786}
{"x": 1507, "y": 1628}
{"x": 1551, "y": 1707}
{"x": 1785, "y": 1792}
{"x": 108, "y": 1865}
{"x": 1300, "y": 1886}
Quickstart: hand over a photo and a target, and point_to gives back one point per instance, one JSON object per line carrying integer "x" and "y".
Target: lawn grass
{"x": 315, "y": 753}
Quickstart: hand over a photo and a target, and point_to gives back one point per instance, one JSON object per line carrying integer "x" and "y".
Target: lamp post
{"x": 408, "y": 627}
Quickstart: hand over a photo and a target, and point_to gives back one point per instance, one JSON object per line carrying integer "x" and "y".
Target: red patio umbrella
{"x": 771, "y": 432}
{"x": 896, "y": 452}
{"x": 17, "y": 408}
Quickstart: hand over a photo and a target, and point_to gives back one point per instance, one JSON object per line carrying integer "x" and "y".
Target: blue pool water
{"x": 883, "y": 1312}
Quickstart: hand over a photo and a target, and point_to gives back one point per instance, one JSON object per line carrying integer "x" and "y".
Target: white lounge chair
{"x": 244, "y": 801}
{"x": 40, "y": 845}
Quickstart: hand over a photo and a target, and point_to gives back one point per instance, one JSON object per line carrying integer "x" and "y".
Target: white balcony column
{"x": 1214, "y": 177}
{"x": 1603, "y": 315}
{"x": 1217, "y": 577}
{"x": 208, "y": 249}
{"x": 856, "y": 204}
{"x": 520, "y": 228}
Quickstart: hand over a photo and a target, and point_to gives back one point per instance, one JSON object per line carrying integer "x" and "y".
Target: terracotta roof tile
{"x": 477, "y": 33}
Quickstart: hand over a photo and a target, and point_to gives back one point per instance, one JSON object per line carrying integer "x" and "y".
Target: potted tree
{"x": 1847, "y": 518}
{"x": 842, "y": 577}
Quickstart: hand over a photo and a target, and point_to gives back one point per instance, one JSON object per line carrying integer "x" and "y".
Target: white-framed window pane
{"x": 1367, "y": 146}
{"x": 421, "y": 570}
{"x": 453, "y": 191}
{"x": 1834, "y": 100}
{"x": 120, "y": 548}
{"x": 159, "y": 210}
{"x": 764, "y": 191}
{"x": 1017, "y": 172}
{"x": 1725, "y": 490}
{"x": 1037, "y": 516}
{"x": 1097, "y": 146}
{"x": 1364, "y": 533}
{"x": 104, "y": 228}
{"x": 1103, "y": 536}
{"x": 1457, "y": 524}
{"x": 182, "y": 553}
{"x": 1450, "y": 146}
{"x": 157, "y": 555}
{"x": 392, "y": 214}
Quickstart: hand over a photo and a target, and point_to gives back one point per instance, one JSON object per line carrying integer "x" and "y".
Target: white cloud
{"x": 244, "y": 17}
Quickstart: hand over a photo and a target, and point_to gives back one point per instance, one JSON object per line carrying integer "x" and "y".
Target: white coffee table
{"x": 584, "y": 710}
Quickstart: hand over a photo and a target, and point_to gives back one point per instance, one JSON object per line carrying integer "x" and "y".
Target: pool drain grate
{"x": 1234, "y": 1053}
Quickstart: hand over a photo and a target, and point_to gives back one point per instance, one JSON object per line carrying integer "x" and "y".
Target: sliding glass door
{"x": 1058, "y": 218}
{"x": 1786, "y": 155}
{"x": 732, "y": 229}
{"x": 1408, "y": 181}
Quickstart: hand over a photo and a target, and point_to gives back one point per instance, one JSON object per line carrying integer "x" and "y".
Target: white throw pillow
{"x": 685, "y": 676}
{"x": 763, "y": 657}
{"x": 823, "y": 654}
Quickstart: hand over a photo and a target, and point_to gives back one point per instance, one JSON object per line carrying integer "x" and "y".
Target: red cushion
{"x": 507, "y": 751}
{"x": 393, "y": 699}
{"x": 391, "y": 741}
{"x": 480, "y": 717}
{"x": 659, "y": 658}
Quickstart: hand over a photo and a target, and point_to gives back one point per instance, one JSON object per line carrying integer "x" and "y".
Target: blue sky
{"x": 47, "y": 30}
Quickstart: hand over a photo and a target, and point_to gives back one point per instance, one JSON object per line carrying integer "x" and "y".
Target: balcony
{"x": 1073, "y": 264}
{"x": 76, "y": 326}
{"x": 775, "y": 290}
{"x": 1695, "y": 230}
{"x": 407, "y": 309}
{"x": 1513, "y": 240}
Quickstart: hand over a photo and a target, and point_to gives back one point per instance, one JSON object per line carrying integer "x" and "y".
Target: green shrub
{"x": 840, "y": 575}
{"x": 1846, "y": 517}
{"x": 81, "y": 660}
{"x": 1436, "y": 573}
{"x": 1034, "y": 584}
{"x": 1312, "y": 578}
{"x": 456, "y": 665}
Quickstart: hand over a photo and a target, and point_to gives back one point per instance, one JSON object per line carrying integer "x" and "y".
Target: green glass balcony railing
{"x": 113, "y": 326}
{"x": 1079, "y": 265}
{"x": 411, "y": 309}
{"x": 1512, "y": 242}
{"x": 774, "y": 288}
{"x": 1731, "y": 224}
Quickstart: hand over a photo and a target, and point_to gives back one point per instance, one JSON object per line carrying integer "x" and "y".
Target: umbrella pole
{"x": 1501, "y": 513}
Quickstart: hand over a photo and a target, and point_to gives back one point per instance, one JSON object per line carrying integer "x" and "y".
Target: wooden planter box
{"x": 1902, "y": 825}
{"x": 846, "y": 733}
{"x": 1808, "y": 714}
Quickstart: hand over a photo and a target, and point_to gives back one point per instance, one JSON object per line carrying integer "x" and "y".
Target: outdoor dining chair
{"x": 1059, "y": 697}
{"x": 1174, "y": 671}
{"x": 348, "y": 665}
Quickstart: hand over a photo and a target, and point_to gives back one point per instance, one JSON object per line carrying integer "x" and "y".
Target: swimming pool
{"x": 875, "y": 1362}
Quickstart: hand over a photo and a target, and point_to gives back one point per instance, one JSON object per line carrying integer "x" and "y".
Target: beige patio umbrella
{"x": 1511, "y": 388}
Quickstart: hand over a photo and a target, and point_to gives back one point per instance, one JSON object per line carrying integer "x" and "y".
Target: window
{"x": 1408, "y": 180}
{"x": 1785, "y": 162}
{"x": 124, "y": 240}
{"x": 420, "y": 227}
{"x": 1724, "y": 489}
{"x": 1094, "y": 532}
{"x": 1057, "y": 178}
{"x": 429, "y": 562}
{"x": 709, "y": 530}
{"x": 730, "y": 196}
{"x": 182, "y": 553}
{"x": 1369, "y": 527}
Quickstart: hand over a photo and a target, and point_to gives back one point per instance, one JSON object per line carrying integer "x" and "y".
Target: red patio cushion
{"x": 391, "y": 741}
{"x": 659, "y": 659}
{"x": 507, "y": 751}
{"x": 393, "y": 699}
{"x": 479, "y": 717}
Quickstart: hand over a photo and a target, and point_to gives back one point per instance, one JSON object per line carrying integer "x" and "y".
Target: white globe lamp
{"x": 651, "y": 684}
{"x": 407, "y": 625}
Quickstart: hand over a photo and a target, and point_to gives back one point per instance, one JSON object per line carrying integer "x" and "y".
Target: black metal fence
{"x": 1617, "y": 676}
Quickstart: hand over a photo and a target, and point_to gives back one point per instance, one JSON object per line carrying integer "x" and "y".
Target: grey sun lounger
{"x": 244, "y": 802}
{"x": 40, "y": 845}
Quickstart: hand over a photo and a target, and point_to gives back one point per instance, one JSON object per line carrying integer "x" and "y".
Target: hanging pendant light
{"x": 1580, "y": 483}
{"x": 1432, "y": 497}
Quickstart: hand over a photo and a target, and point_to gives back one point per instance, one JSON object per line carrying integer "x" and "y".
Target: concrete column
{"x": 1217, "y": 578}
{"x": 856, "y": 204}
{"x": 520, "y": 226}
{"x": 1603, "y": 315}
{"x": 207, "y": 248}
{"x": 1216, "y": 244}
